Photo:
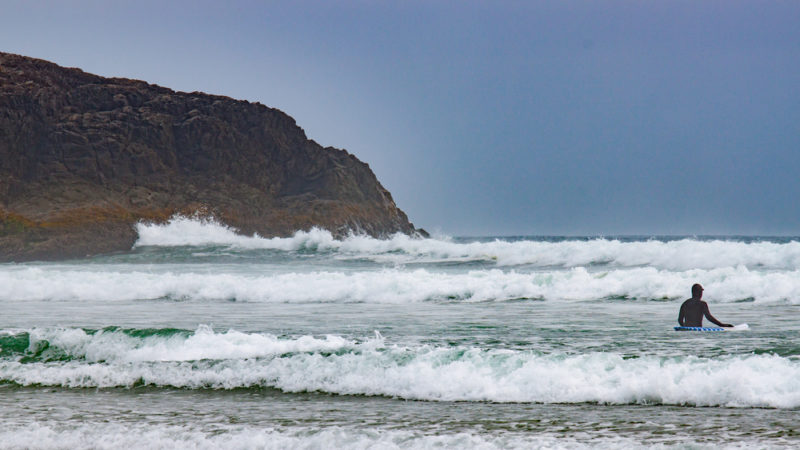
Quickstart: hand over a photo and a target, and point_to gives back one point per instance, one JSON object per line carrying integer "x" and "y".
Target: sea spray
{"x": 671, "y": 254}
{"x": 397, "y": 286}
{"x": 205, "y": 359}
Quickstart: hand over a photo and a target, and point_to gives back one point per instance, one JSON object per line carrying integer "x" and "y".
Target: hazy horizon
{"x": 573, "y": 118}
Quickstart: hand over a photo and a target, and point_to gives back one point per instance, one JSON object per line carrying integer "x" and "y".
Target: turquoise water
{"x": 198, "y": 338}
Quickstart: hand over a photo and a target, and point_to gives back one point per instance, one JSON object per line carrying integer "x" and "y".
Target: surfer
{"x": 693, "y": 310}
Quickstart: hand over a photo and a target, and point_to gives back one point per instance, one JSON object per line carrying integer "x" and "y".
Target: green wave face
{"x": 207, "y": 359}
{"x": 52, "y": 345}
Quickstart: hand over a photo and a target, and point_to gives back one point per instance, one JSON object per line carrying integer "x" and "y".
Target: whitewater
{"x": 203, "y": 338}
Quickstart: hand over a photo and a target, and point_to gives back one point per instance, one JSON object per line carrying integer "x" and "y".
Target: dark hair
{"x": 696, "y": 290}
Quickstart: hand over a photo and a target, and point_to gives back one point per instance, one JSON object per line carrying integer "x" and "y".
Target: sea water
{"x": 202, "y": 338}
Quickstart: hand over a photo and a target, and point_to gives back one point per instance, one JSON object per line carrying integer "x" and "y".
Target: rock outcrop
{"x": 83, "y": 158}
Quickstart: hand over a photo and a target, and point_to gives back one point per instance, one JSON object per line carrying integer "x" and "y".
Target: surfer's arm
{"x": 712, "y": 318}
{"x": 681, "y": 316}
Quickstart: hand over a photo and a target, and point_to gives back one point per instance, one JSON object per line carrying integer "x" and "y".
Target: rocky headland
{"x": 83, "y": 158}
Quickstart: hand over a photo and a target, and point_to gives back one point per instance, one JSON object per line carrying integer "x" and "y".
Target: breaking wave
{"x": 205, "y": 359}
{"x": 131, "y": 283}
{"x": 682, "y": 254}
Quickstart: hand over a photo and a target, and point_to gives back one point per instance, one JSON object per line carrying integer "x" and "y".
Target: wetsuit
{"x": 692, "y": 312}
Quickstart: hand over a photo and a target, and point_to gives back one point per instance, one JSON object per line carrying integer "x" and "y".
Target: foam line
{"x": 159, "y": 436}
{"x": 207, "y": 359}
{"x": 398, "y": 286}
{"x": 682, "y": 254}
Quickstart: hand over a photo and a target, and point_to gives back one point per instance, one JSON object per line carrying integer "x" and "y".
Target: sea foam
{"x": 397, "y": 286}
{"x": 683, "y": 254}
{"x": 158, "y": 436}
{"x": 226, "y": 360}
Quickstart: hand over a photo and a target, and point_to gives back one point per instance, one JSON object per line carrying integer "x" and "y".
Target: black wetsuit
{"x": 692, "y": 312}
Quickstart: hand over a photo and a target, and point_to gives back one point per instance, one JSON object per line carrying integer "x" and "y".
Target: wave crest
{"x": 206, "y": 359}
{"x": 683, "y": 254}
{"x": 397, "y": 286}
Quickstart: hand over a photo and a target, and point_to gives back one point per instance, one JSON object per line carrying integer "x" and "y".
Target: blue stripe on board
{"x": 698, "y": 329}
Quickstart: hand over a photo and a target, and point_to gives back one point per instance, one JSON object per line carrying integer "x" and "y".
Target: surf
{"x": 676, "y": 254}
{"x": 207, "y": 359}
{"x": 267, "y": 284}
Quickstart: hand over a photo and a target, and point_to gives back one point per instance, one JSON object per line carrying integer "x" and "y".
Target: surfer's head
{"x": 697, "y": 291}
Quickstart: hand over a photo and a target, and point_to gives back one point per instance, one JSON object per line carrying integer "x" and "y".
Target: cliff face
{"x": 83, "y": 158}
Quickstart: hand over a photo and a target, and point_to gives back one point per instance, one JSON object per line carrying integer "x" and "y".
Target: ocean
{"x": 201, "y": 338}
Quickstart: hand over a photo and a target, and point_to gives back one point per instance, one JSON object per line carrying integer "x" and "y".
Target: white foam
{"x": 682, "y": 254}
{"x": 204, "y": 343}
{"x": 97, "y": 283}
{"x": 186, "y": 231}
{"x": 424, "y": 372}
{"x": 100, "y": 435}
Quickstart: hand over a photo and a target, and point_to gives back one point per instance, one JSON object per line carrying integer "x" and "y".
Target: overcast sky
{"x": 492, "y": 117}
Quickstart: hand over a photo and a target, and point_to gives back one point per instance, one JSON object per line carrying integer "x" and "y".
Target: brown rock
{"x": 83, "y": 158}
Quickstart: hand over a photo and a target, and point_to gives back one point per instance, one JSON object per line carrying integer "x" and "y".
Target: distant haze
{"x": 492, "y": 118}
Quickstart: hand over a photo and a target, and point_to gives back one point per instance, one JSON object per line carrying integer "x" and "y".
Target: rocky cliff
{"x": 83, "y": 158}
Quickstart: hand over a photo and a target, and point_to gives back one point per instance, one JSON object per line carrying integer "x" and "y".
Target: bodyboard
{"x": 740, "y": 327}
